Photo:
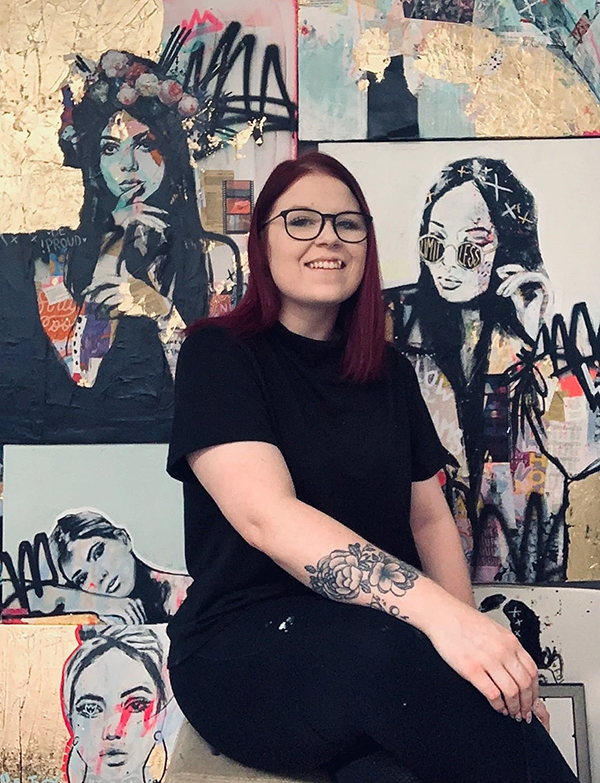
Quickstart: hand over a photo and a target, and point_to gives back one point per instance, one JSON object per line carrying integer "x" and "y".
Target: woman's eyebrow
{"x": 441, "y": 225}
{"x": 137, "y": 688}
{"x": 108, "y": 137}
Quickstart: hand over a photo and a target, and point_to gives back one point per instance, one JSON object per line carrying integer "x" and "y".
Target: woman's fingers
{"x": 486, "y": 686}
{"x": 508, "y": 688}
{"x": 541, "y": 713}
{"x": 525, "y": 683}
{"x": 506, "y": 270}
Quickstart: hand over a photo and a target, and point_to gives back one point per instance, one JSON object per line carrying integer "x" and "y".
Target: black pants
{"x": 298, "y": 683}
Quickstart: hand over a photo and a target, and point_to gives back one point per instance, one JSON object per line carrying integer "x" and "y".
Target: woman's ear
{"x": 124, "y": 536}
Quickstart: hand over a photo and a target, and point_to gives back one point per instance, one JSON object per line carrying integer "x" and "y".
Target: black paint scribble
{"x": 266, "y": 111}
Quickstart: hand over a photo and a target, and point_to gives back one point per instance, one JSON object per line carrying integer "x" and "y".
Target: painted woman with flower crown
{"x": 137, "y": 272}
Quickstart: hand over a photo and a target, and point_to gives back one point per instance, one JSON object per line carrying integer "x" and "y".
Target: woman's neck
{"x": 317, "y": 323}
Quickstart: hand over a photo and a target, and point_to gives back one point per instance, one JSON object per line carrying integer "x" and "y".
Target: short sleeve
{"x": 219, "y": 398}
{"x": 428, "y": 456}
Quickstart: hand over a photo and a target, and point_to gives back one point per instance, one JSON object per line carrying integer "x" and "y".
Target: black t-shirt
{"x": 352, "y": 450}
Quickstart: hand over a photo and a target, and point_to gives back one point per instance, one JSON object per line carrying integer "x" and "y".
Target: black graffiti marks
{"x": 537, "y": 548}
{"x": 269, "y": 111}
{"x": 27, "y": 575}
{"x": 575, "y": 348}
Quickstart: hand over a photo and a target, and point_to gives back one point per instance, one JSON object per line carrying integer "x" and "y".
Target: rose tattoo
{"x": 343, "y": 574}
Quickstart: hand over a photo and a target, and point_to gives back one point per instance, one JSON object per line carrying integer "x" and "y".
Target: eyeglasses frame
{"x": 324, "y": 216}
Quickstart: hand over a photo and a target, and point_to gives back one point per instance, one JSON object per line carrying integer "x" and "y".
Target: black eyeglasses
{"x": 307, "y": 224}
{"x": 468, "y": 254}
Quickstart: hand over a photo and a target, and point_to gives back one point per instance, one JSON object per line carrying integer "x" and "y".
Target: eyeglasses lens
{"x": 432, "y": 249}
{"x": 306, "y": 224}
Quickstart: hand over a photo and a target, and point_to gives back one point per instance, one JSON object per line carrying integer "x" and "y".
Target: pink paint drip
{"x": 149, "y": 718}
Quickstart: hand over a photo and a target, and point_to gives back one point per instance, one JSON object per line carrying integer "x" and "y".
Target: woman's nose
{"x": 328, "y": 235}
{"x": 114, "y": 727}
{"x": 449, "y": 258}
{"x": 128, "y": 159}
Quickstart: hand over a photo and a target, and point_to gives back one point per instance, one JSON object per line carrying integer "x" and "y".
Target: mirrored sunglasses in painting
{"x": 468, "y": 254}
{"x": 307, "y": 224}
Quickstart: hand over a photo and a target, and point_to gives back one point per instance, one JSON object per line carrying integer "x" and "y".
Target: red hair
{"x": 361, "y": 317}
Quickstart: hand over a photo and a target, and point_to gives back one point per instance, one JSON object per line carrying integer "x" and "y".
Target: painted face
{"x": 297, "y": 266}
{"x": 130, "y": 162}
{"x": 114, "y": 717}
{"x": 101, "y": 565}
{"x": 461, "y": 216}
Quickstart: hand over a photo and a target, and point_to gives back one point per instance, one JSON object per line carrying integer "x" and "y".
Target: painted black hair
{"x": 179, "y": 259}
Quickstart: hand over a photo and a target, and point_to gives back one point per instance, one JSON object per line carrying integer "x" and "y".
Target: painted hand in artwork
{"x": 530, "y": 293}
{"x": 133, "y": 210}
{"x": 120, "y": 293}
{"x": 126, "y": 611}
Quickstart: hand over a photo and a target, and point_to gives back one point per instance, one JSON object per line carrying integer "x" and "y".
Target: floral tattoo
{"x": 344, "y": 574}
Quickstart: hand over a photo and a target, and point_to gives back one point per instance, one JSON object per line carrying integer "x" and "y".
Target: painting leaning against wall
{"x": 108, "y": 710}
{"x": 93, "y": 317}
{"x": 509, "y": 381}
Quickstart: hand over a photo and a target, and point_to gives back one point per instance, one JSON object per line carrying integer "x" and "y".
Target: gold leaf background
{"x": 38, "y": 41}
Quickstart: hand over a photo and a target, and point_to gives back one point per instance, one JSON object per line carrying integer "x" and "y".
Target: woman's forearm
{"x": 338, "y": 564}
{"x": 437, "y": 540}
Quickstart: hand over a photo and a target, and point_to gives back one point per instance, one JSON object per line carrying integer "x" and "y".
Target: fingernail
{"x": 505, "y": 712}
{"x": 528, "y": 718}
{"x": 518, "y": 718}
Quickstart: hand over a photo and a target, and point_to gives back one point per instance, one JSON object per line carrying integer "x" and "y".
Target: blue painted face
{"x": 130, "y": 162}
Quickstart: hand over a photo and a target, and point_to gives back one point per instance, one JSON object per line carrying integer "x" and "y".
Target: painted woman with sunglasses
{"x": 331, "y": 621}
{"x": 470, "y": 327}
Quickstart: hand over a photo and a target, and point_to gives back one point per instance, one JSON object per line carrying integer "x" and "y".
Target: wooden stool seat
{"x": 194, "y": 761}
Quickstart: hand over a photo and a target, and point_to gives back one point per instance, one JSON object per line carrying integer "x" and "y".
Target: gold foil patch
{"x": 372, "y": 52}
{"x": 38, "y": 42}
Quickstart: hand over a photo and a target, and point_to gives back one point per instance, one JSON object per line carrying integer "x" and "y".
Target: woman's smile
{"x": 329, "y": 264}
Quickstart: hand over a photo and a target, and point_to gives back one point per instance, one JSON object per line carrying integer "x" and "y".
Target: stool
{"x": 193, "y": 761}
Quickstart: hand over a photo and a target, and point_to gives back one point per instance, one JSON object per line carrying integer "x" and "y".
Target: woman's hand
{"x": 488, "y": 656}
{"x": 123, "y": 294}
{"x": 530, "y": 293}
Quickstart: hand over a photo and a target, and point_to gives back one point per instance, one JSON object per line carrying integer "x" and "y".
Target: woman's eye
{"x": 109, "y": 148}
{"x": 89, "y": 709}
{"x": 302, "y": 222}
{"x": 137, "y": 705}
{"x": 349, "y": 224}
{"x": 98, "y": 551}
{"x": 146, "y": 144}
